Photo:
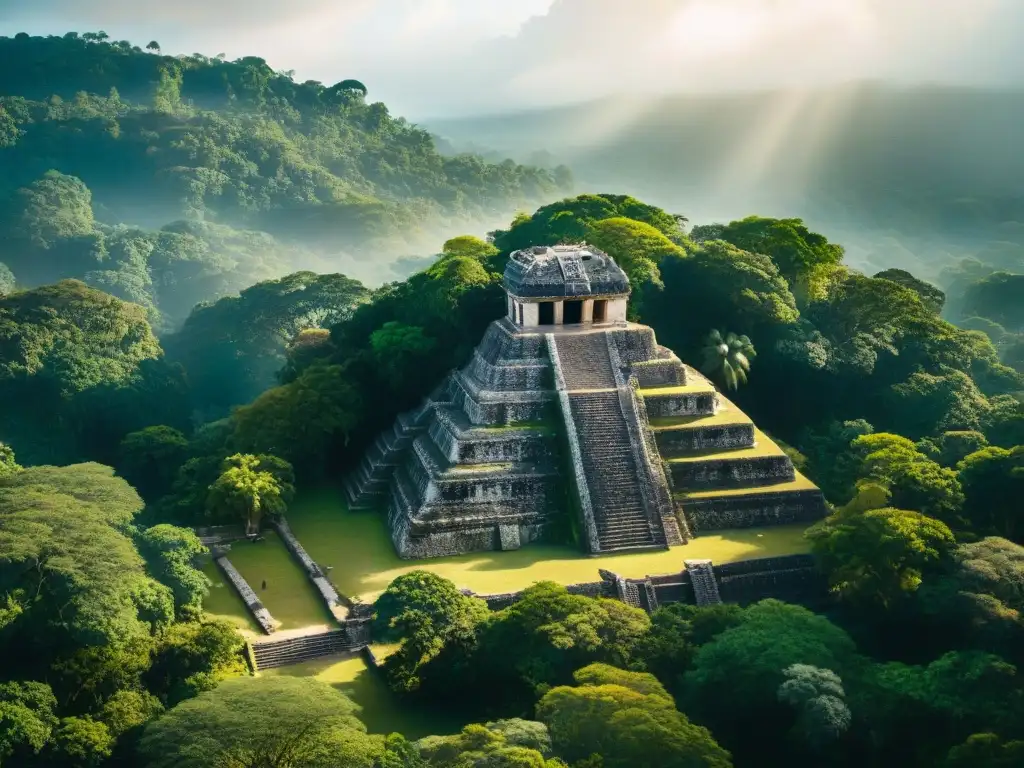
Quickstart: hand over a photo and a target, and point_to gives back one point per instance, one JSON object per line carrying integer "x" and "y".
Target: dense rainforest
{"x": 128, "y": 416}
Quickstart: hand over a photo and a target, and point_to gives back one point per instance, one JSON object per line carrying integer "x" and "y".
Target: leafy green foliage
{"x": 999, "y": 298}
{"x": 424, "y": 612}
{"x": 879, "y": 555}
{"x": 914, "y": 481}
{"x": 931, "y": 296}
{"x": 571, "y": 220}
{"x": 628, "y": 719}
{"x": 307, "y": 722}
{"x": 148, "y": 458}
{"x": 819, "y": 698}
{"x": 993, "y": 481}
{"x": 512, "y": 743}
{"x": 795, "y": 249}
{"x": 232, "y": 349}
{"x": 170, "y": 553}
{"x": 83, "y": 366}
{"x": 727, "y": 357}
{"x": 251, "y": 487}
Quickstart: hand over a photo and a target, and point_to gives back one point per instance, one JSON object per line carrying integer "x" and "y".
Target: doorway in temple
{"x": 572, "y": 312}
{"x": 600, "y": 310}
{"x": 547, "y": 313}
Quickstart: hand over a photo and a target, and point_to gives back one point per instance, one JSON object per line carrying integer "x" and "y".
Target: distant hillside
{"x": 924, "y": 164}
{"x": 156, "y": 139}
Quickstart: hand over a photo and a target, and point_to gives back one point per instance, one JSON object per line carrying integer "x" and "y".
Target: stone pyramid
{"x": 570, "y": 423}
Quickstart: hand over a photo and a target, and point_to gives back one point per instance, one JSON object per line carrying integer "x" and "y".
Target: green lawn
{"x": 223, "y": 602}
{"x": 799, "y": 483}
{"x": 382, "y": 711}
{"x": 290, "y": 597}
{"x": 364, "y": 562}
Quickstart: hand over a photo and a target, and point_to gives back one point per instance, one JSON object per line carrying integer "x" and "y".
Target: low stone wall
{"x": 793, "y": 578}
{"x": 248, "y": 595}
{"x": 327, "y": 591}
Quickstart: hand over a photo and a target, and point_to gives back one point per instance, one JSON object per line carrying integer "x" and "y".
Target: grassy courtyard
{"x": 223, "y": 602}
{"x": 289, "y": 596}
{"x": 357, "y": 547}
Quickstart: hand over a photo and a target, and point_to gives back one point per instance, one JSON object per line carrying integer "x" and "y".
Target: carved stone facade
{"x": 592, "y": 416}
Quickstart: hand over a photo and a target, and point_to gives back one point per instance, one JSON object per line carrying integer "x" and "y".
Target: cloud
{"x": 432, "y": 57}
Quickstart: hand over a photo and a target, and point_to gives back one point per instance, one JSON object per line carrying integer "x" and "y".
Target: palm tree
{"x": 728, "y": 357}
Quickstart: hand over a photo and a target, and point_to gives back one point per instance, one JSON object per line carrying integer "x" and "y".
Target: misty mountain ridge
{"x": 929, "y": 164}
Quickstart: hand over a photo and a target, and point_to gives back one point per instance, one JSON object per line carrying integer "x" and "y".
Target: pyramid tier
{"x": 462, "y": 442}
{"x": 760, "y": 464}
{"x": 696, "y": 398}
{"x": 794, "y": 501}
{"x": 728, "y": 427}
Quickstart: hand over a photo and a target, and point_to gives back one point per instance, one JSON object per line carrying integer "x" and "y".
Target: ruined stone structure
{"x": 569, "y": 417}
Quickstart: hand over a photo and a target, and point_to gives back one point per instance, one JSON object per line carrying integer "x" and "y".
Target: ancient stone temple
{"x": 571, "y": 423}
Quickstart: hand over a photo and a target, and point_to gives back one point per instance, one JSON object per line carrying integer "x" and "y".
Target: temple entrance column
{"x": 588, "y": 311}
{"x": 559, "y": 309}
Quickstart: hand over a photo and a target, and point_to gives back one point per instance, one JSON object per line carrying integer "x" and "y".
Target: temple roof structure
{"x": 563, "y": 270}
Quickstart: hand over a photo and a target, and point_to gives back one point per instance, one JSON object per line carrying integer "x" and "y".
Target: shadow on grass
{"x": 381, "y": 710}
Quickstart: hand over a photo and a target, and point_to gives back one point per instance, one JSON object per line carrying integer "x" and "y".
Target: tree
{"x": 628, "y": 719}
{"x": 194, "y": 657}
{"x": 914, "y": 481}
{"x": 303, "y": 420}
{"x": 248, "y": 490}
{"x": 993, "y": 482}
{"x": 7, "y": 281}
{"x": 878, "y": 556}
{"x": 307, "y": 722}
{"x": 504, "y": 744}
{"x": 819, "y": 698}
{"x": 149, "y": 458}
{"x": 728, "y": 357}
{"x": 153, "y": 45}
{"x": 733, "y": 685}
{"x": 8, "y": 465}
{"x": 469, "y": 246}
{"x": 171, "y": 552}
{"x": 570, "y": 220}
{"x": 27, "y": 718}
{"x": 537, "y": 642}
{"x": 795, "y": 249}
{"x": 638, "y": 248}
{"x": 998, "y": 297}
{"x": 234, "y": 347}
{"x": 931, "y": 297}
{"x": 425, "y": 612}
{"x": 985, "y": 750}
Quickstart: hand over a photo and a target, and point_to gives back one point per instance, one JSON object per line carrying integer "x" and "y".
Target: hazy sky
{"x": 428, "y": 58}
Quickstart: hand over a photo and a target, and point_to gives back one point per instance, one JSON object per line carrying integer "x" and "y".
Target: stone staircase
{"x": 610, "y": 468}
{"x": 295, "y": 650}
{"x": 702, "y": 577}
{"x": 586, "y": 363}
